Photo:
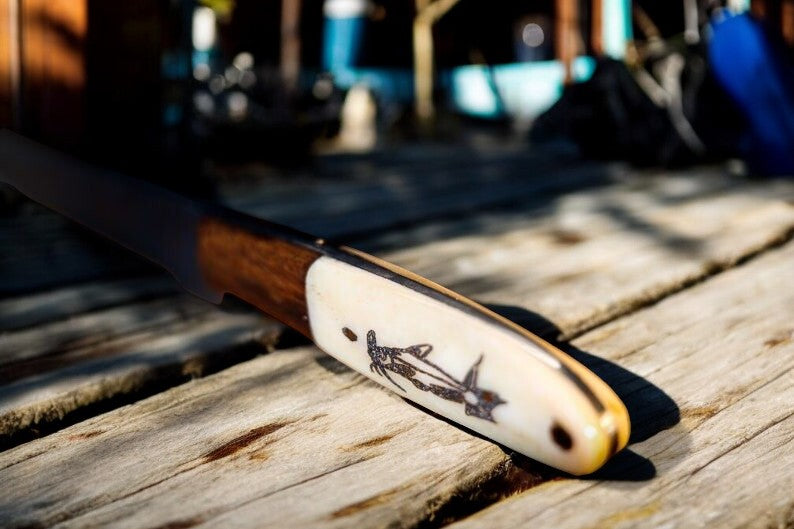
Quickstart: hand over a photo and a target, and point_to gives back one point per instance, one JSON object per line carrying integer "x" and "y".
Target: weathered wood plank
{"x": 92, "y": 328}
{"x": 353, "y": 196}
{"x": 52, "y": 369}
{"x": 48, "y": 306}
{"x": 723, "y": 351}
{"x": 337, "y": 197}
{"x": 591, "y": 256}
{"x": 48, "y": 388}
{"x": 64, "y": 349}
{"x": 292, "y": 439}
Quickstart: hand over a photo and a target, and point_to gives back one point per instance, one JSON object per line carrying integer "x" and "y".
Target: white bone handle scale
{"x": 414, "y": 337}
{"x": 462, "y": 361}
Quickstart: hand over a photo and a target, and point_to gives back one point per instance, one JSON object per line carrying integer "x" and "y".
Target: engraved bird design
{"x": 412, "y": 363}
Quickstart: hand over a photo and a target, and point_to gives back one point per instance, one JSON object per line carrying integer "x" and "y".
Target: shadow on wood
{"x": 651, "y": 410}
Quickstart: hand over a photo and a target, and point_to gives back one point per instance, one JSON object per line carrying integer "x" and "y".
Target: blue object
{"x": 343, "y": 33}
{"x": 390, "y": 84}
{"x": 343, "y": 38}
{"x": 616, "y": 27}
{"x": 754, "y": 72}
{"x": 523, "y": 90}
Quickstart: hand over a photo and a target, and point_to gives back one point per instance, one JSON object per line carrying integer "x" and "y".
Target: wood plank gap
{"x": 742, "y": 442}
{"x": 23, "y": 312}
{"x": 505, "y": 480}
{"x": 514, "y": 197}
{"x": 711, "y": 270}
{"x": 134, "y": 386}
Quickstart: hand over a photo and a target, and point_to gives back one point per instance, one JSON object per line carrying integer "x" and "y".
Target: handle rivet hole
{"x": 350, "y": 335}
{"x": 561, "y": 437}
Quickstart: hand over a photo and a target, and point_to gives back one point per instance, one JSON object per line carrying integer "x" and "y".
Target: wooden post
{"x": 787, "y": 21}
{"x": 759, "y": 8}
{"x": 427, "y": 14}
{"x": 53, "y": 68}
{"x": 423, "y": 63}
{"x": 691, "y": 30}
{"x": 597, "y": 27}
{"x": 290, "y": 43}
{"x": 566, "y": 34}
{"x": 9, "y": 63}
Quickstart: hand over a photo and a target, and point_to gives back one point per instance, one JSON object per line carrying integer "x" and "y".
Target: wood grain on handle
{"x": 261, "y": 267}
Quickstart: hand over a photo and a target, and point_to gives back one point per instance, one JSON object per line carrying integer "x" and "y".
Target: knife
{"x": 412, "y": 336}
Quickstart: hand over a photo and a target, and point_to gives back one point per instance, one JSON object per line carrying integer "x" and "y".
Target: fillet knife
{"x": 412, "y": 336}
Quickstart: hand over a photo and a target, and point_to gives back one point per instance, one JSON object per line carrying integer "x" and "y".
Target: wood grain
{"x": 53, "y": 42}
{"x": 723, "y": 352}
{"x": 54, "y": 305}
{"x": 563, "y": 266}
{"x": 266, "y": 270}
{"x": 54, "y": 385}
{"x": 591, "y": 256}
{"x": 353, "y": 197}
{"x": 9, "y": 62}
{"x": 265, "y": 425}
{"x": 92, "y": 328}
{"x": 715, "y": 357}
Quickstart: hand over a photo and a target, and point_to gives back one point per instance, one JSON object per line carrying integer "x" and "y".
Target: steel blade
{"x": 150, "y": 221}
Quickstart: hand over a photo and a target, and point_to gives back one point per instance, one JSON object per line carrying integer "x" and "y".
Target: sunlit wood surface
{"x": 126, "y": 403}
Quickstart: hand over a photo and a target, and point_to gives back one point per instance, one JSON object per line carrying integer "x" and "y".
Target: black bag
{"x": 611, "y": 117}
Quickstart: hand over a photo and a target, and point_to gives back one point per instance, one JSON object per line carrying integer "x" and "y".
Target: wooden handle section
{"x": 259, "y": 264}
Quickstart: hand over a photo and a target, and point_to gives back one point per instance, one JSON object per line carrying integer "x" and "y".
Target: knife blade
{"x": 419, "y": 339}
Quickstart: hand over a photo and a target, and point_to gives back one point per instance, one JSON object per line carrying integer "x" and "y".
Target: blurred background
{"x": 187, "y": 92}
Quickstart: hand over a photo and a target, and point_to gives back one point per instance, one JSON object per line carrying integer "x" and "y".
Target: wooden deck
{"x": 126, "y": 403}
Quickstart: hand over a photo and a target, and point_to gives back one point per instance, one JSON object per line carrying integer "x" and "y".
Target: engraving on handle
{"x": 412, "y": 364}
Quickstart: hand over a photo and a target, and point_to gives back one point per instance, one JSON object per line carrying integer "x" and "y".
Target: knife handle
{"x": 426, "y": 343}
